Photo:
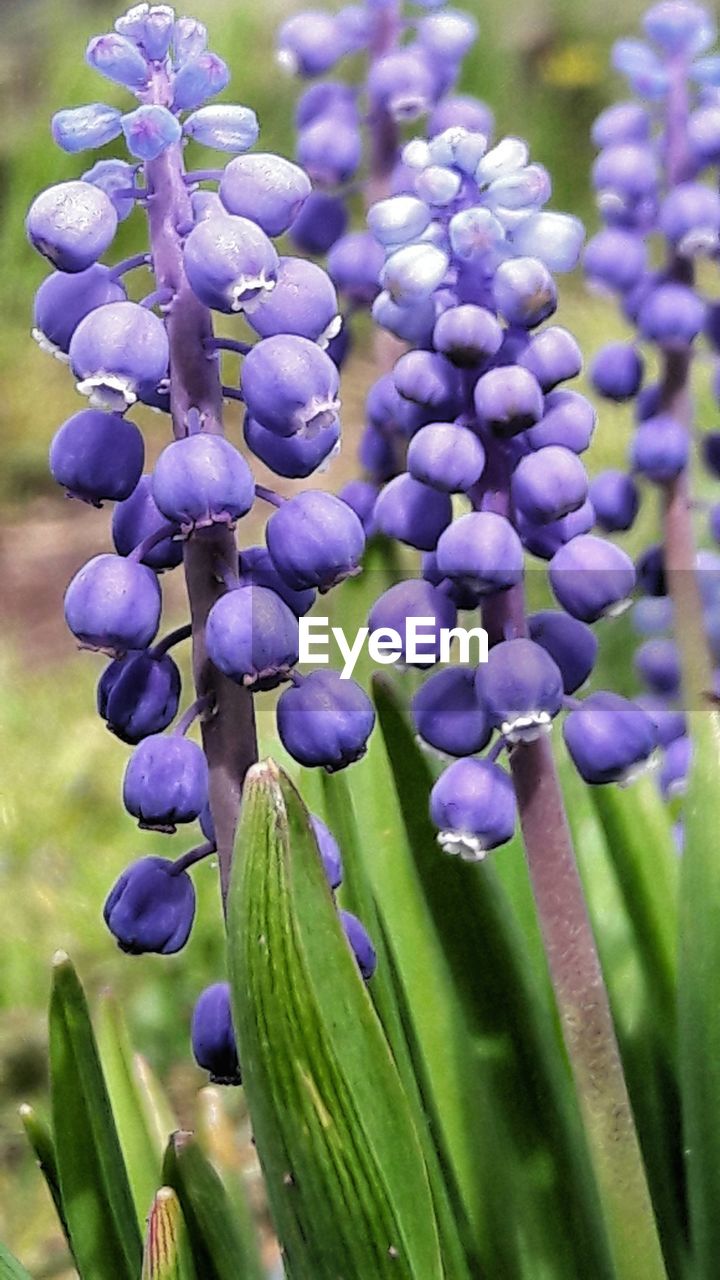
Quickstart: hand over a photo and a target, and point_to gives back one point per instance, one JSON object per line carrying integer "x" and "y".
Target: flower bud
{"x": 224, "y": 127}
{"x": 137, "y": 519}
{"x": 672, "y": 315}
{"x": 481, "y": 551}
{"x": 256, "y": 569}
{"x": 295, "y": 456}
{"x": 467, "y": 335}
{"x": 680, "y": 27}
{"x": 622, "y": 122}
{"x": 150, "y": 130}
{"x": 265, "y": 188}
{"x": 402, "y": 83}
{"x": 360, "y": 944}
{"x": 315, "y": 540}
{"x": 660, "y": 448}
{"x": 657, "y": 662}
{"x": 310, "y": 43}
{"x": 166, "y": 782}
{"x": 290, "y": 385}
{"x": 508, "y": 400}
{"x": 303, "y": 302}
{"x": 354, "y": 264}
{"x": 552, "y": 355}
{"x": 325, "y": 721}
{"x": 329, "y": 852}
{"x": 548, "y": 484}
{"x": 117, "y": 179}
{"x": 590, "y": 577}
{"x": 320, "y": 223}
{"x": 412, "y": 599}
{"x": 71, "y": 224}
{"x": 571, "y": 644}
{"x": 568, "y": 419}
{"x": 84, "y": 128}
{"x": 213, "y": 1037}
{"x": 197, "y": 80}
{"x": 615, "y": 259}
{"x": 690, "y": 218}
{"x": 447, "y": 457}
{"x": 62, "y": 301}
{"x": 617, "y": 371}
{"x": 113, "y": 604}
{"x": 463, "y": 111}
{"x": 138, "y": 695}
{"x": 151, "y": 908}
{"x": 555, "y": 238}
{"x": 609, "y": 738}
{"x": 118, "y": 59}
{"x": 201, "y": 480}
{"x": 676, "y": 767}
{"x": 413, "y": 272}
{"x": 473, "y": 806}
{"x": 330, "y": 150}
{"x": 412, "y": 512}
{"x": 524, "y": 292}
{"x": 449, "y": 715}
{"x": 97, "y": 456}
{"x": 616, "y": 500}
{"x": 252, "y": 637}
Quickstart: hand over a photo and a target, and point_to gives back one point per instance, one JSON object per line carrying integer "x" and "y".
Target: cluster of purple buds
{"x": 662, "y": 218}
{"x": 208, "y": 251}
{"x": 348, "y": 139}
{"x": 480, "y": 409}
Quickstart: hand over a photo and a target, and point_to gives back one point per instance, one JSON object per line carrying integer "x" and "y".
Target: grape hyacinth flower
{"x": 661, "y": 222}
{"x": 207, "y": 251}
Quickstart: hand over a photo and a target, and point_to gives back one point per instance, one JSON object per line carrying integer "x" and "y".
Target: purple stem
{"x": 171, "y": 639}
{"x": 269, "y": 495}
{"x": 680, "y": 547}
{"x": 229, "y": 737}
{"x": 165, "y": 530}
{"x": 572, "y": 956}
{"x": 130, "y": 264}
{"x": 192, "y": 856}
{"x": 196, "y": 709}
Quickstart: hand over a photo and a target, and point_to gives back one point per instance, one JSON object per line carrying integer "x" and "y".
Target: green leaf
{"x": 699, "y": 992}
{"x": 40, "y": 1138}
{"x": 143, "y": 1117}
{"x": 218, "y": 1140}
{"x": 346, "y": 1181}
{"x": 94, "y": 1185}
{"x": 219, "y": 1248}
{"x": 167, "y": 1251}
{"x": 10, "y": 1268}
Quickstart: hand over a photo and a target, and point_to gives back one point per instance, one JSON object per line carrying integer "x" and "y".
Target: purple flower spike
{"x": 571, "y": 644}
{"x": 213, "y": 1037}
{"x": 150, "y": 130}
{"x": 660, "y": 449}
{"x": 591, "y": 578}
{"x": 412, "y": 512}
{"x": 119, "y": 354}
{"x": 118, "y": 59}
{"x": 329, "y": 852}
{"x": 609, "y": 738}
{"x": 151, "y": 908}
{"x": 447, "y": 457}
{"x": 481, "y": 551}
{"x": 521, "y": 688}
{"x": 265, "y": 188}
{"x": 202, "y": 480}
{"x": 295, "y": 456}
{"x": 325, "y": 721}
{"x": 84, "y": 128}
{"x": 508, "y": 400}
{"x": 230, "y": 263}
{"x": 617, "y": 371}
{"x": 252, "y": 636}
{"x": 62, "y": 301}
{"x": 449, "y": 715}
{"x": 97, "y": 456}
{"x": 137, "y": 519}
{"x": 303, "y": 302}
{"x": 360, "y": 944}
{"x": 549, "y": 484}
{"x": 290, "y": 385}
{"x": 315, "y": 540}
{"x": 473, "y": 806}
{"x": 71, "y": 224}
{"x": 398, "y": 609}
{"x": 138, "y": 695}
{"x": 113, "y": 604}
{"x": 166, "y": 782}
{"x": 615, "y": 497}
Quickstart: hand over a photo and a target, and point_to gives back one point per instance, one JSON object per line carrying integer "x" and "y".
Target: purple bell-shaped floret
{"x": 482, "y": 551}
{"x": 166, "y": 782}
{"x": 568, "y": 419}
{"x": 295, "y": 456}
{"x": 446, "y": 457}
{"x": 315, "y": 540}
{"x": 360, "y": 944}
{"x": 230, "y": 263}
{"x": 325, "y": 721}
{"x": 97, "y": 456}
{"x": 521, "y": 688}
{"x": 660, "y": 448}
{"x": 265, "y": 188}
{"x": 418, "y": 612}
{"x": 473, "y": 806}
{"x": 138, "y": 695}
{"x": 590, "y": 578}
{"x": 119, "y": 354}
{"x": 213, "y": 1036}
{"x": 256, "y": 569}
{"x": 113, "y": 604}
{"x": 290, "y": 385}
{"x": 303, "y": 303}
{"x": 329, "y": 852}
{"x": 615, "y": 497}
{"x": 202, "y": 480}
{"x": 657, "y": 662}
{"x": 467, "y": 335}
{"x": 252, "y": 636}
{"x": 151, "y": 908}
{"x": 71, "y": 224}
{"x": 449, "y": 715}
{"x": 571, "y": 644}
{"x": 508, "y": 400}
{"x": 675, "y": 768}
{"x": 548, "y": 484}
{"x": 617, "y": 371}
{"x": 609, "y": 738}
{"x": 412, "y": 512}
{"x": 63, "y": 300}
{"x": 137, "y": 520}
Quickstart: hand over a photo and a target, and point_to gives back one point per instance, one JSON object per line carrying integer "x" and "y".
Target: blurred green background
{"x": 63, "y": 834}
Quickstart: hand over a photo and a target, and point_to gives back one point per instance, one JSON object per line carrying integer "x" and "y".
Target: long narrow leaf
{"x": 219, "y": 1249}
{"x": 167, "y": 1251}
{"x": 140, "y": 1128}
{"x": 345, "y": 1175}
{"x": 10, "y": 1268}
{"x": 96, "y": 1194}
{"x": 40, "y": 1138}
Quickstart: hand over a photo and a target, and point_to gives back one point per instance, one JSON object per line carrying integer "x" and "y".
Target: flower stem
{"x": 229, "y": 737}
{"x": 574, "y": 966}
